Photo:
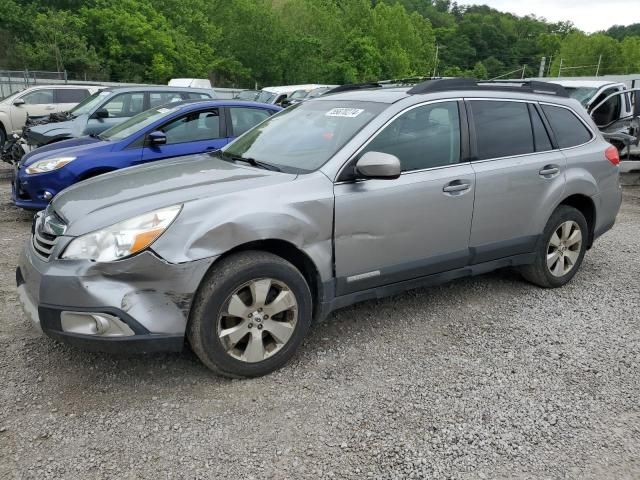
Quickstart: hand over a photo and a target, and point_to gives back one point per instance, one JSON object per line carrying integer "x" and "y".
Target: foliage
{"x": 272, "y": 42}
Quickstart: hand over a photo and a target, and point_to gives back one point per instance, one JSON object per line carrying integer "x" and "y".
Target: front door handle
{"x": 549, "y": 170}
{"x": 456, "y": 187}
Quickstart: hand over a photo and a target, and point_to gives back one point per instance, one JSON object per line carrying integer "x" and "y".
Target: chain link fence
{"x": 12, "y": 81}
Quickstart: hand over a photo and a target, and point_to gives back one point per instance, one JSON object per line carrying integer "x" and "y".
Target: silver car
{"x": 341, "y": 199}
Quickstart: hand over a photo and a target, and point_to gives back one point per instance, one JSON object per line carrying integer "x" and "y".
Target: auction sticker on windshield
{"x": 344, "y": 112}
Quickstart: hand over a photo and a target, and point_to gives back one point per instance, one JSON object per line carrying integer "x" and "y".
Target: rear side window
{"x": 71, "y": 95}
{"x": 568, "y": 129}
{"x": 540, "y": 134}
{"x": 160, "y": 98}
{"x": 503, "y": 129}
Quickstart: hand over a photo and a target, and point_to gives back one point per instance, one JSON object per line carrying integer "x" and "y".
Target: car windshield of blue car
{"x": 137, "y": 123}
{"x": 87, "y": 105}
{"x": 304, "y": 137}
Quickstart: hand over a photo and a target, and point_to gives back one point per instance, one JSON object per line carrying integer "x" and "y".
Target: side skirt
{"x": 426, "y": 281}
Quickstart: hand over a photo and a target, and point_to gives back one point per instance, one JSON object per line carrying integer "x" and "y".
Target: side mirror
{"x": 379, "y": 165}
{"x": 18, "y": 102}
{"x": 156, "y": 138}
{"x": 101, "y": 113}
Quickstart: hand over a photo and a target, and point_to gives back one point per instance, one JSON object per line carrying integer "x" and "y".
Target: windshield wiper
{"x": 251, "y": 161}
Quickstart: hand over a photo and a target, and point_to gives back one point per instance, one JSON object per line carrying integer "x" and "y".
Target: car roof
{"x": 380, "y": 95}
{"x": 158, "y": 88}
{"x": 203, "y": 103}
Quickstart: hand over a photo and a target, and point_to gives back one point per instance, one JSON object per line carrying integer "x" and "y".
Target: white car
{"x": 39, "y": 101}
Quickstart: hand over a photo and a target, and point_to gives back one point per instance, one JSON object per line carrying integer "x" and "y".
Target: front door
{"x": 195, "y": 132}
{"x": 37, "y": 103}
{"x": 119, "y": 108}
{"x": 520, "y": 178}
{"x": 388, "y": 231}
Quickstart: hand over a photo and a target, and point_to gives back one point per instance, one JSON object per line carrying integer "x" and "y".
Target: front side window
{"x": 424, "y": 137}
{"x": 244, "y": 119}
{"x": 125, "y": 105}
{"x": 194, "y": 127}
{"x": 71, "y": 95}
{"x": 503, "y": 129}
{"x": 305, "y": 136}
{"x": 609, "y": 111}
{"x": 39, "y": 97}
{"x": 87, "y": 105}
{"x": 568, "y": 129}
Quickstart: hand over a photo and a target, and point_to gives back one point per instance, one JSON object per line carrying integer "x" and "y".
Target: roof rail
{"x": 528, "y": 86}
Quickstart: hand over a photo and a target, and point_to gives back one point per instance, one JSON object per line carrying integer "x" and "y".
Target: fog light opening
{"x": 47, "y": 195}
{"x": 97, "y": 324}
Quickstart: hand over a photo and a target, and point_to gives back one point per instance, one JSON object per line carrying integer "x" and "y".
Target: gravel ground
{"x": 482, "y": 378}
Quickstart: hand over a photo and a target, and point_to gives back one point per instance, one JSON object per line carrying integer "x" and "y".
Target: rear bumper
{"x": 137, "y": 305}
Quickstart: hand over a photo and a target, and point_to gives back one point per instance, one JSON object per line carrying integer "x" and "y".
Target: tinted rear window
{"x": 503, "y": 129}
{"x": 568, "y": 129}
{"x": 71, "y": 95}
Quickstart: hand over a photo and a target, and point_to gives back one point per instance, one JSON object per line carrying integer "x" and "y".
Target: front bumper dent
{"x": 147, "y": 299}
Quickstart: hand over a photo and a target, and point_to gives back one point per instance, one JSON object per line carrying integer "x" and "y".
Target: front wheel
{"x": 561, "y": 249}
{"x": 250, "y": 315}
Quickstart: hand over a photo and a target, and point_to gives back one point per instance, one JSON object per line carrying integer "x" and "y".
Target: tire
{"x": 233, "y": 285}
{"x": 555, "y": 266}
{"x": 3, "y": 136}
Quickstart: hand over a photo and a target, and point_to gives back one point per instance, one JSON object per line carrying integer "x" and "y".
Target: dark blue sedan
{"x": 171, "y": 130}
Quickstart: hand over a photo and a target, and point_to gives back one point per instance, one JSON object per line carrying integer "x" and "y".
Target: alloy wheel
{"x": 257, "y": 320}
{"x": 564, "y": 248}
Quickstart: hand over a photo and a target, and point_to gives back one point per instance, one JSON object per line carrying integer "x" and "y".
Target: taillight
{"x": 612, "y": 155}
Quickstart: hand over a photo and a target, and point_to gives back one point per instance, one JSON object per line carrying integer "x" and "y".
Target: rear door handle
{"x": 456, "y": 186}
{"x": 549, "y": 170}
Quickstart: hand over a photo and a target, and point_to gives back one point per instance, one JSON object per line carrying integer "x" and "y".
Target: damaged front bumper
{"x": 136, "y": 305}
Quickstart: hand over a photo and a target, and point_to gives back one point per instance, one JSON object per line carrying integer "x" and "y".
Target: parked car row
{"x": 335, "y": 200}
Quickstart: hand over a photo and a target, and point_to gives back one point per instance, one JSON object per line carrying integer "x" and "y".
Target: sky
{"x": 588, "y": 15}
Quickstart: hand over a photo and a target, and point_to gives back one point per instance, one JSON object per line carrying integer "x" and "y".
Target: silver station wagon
{"x": 343, "y": 198}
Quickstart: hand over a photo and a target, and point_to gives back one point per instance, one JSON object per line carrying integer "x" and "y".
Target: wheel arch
{"x": 291, "y": 253}
{"x": 94, "y": 172}
{"x": 585, "y": 205}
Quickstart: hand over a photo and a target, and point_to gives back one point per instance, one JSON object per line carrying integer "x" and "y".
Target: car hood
{"x": 45, "y": 133}
{"x": 110, "y": 198}
{"x": 71, "y": 147}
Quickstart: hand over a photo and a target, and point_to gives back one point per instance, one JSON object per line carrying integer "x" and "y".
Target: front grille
{"x": 43, "y": 243}
{"x": 46, "y": 230}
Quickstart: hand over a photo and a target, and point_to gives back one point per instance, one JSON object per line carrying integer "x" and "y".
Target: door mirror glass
{"x": 101, "y": 113}
{"x": 378, "y": 165}
{"x": 156, "y": 138}
{"x": 18, "y": 102}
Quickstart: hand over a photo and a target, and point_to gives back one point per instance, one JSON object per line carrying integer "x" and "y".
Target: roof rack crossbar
{"x": 528, "y": 86}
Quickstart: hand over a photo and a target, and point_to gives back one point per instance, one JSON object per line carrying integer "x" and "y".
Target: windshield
{"x": 87, "y": 105}
{"x": 247, "y": 95}
{"x": 306, "y": 135}
{"x": 265, "y": 97}
{"x": 582, "y": 94}
{"x": 137, "y": 123}
{"x": 318, "y": 91}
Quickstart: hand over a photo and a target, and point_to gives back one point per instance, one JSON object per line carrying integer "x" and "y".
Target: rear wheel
{"x": 3, "y": 136}
{"x": 561, "y": 250}
{"x": 250, "y": 315}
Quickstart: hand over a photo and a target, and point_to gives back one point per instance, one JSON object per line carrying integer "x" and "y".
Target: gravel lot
{"x": 483, "y": 378}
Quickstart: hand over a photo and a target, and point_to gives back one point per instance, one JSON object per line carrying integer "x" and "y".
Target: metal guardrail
{"x": 12, "y": 81}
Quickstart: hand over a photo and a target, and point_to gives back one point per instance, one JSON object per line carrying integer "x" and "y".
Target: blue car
{"x": 171, "y": 130}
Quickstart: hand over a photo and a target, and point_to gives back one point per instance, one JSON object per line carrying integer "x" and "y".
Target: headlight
{"x": 122, "y": 239}
{"x": 48, "y": 165}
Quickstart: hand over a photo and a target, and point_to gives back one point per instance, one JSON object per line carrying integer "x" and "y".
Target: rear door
{"x": 392, "y": 230}
{"x": 195, "y": 132}
{"x": 520, "y": 177}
